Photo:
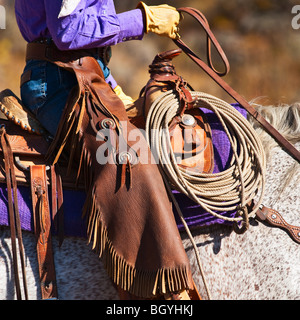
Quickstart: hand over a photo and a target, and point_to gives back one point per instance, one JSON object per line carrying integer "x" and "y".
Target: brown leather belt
{"x": 216, "y": 76}
{"x": 49, "y": 52}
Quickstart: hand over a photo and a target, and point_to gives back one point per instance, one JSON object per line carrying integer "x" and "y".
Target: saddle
{"x": 190, "y": 132}
{"x": 24, "y": 145}
{"x": 29, "y": 141}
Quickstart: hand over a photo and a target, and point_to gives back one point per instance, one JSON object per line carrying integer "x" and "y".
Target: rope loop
{"x": 243, "y": 226}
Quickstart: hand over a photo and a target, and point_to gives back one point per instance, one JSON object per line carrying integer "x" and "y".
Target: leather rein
{"x": 216, "y": 76}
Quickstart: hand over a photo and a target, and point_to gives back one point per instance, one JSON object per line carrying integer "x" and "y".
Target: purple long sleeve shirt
{"x": 94, "y": 23}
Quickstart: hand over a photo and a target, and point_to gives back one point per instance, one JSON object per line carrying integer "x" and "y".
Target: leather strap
{"x": 216, "y": 76}
{"x": 14, "y": 215}
{"x": 57, "y": 202}
{"x": 275, "y": 219}
{"x": 49, "y": 52}
{"x": 42, "y": 226}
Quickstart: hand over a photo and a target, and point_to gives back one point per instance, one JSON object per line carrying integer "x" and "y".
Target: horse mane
{"x": 284, "y": 117}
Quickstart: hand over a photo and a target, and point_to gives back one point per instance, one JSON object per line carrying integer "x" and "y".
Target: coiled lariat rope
{"x": 231, "y": 190}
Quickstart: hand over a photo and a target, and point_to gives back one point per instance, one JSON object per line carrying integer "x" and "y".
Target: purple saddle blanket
{"x": 75, "y": 226}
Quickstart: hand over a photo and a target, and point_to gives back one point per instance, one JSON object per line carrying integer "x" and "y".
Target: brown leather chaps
{"x": 129, "y": 215}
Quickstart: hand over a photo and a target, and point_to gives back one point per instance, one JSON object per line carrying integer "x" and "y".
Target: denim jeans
{"x": 47, "y": 91}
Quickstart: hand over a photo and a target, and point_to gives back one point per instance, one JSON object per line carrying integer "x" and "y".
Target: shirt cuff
{"x": 111, "y": 81}
{"x": 131, "y": 25}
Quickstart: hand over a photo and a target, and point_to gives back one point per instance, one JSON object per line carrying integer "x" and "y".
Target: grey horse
{"x": 261, "y": 264}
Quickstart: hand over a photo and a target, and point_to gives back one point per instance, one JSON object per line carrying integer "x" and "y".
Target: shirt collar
{"x": 67, "y": 7}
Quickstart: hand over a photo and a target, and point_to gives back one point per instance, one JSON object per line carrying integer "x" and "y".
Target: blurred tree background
{"x": 257, "y": 36}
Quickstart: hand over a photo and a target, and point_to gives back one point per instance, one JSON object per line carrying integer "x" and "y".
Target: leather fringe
{"x": 141, "y": 283}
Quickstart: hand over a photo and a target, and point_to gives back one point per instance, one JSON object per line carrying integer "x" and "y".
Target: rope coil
{"x": 229, "y": 190}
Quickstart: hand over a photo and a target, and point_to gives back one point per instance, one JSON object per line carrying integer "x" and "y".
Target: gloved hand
{"x": 162, "y": 20}
{"x": 127, "y": 100}
{"x": 134, "y": 108}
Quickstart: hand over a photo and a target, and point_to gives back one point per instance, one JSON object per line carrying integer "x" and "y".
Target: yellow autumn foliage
{"x": 256, "y": 35}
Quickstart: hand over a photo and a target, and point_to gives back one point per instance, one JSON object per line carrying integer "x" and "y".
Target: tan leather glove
{"x": 134, "y": 108}
{"x": 127, "y": 100}
{"x": 162, "y": 20}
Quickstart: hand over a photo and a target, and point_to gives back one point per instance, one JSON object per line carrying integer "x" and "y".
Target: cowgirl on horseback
{"x": 133, "y": 230}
